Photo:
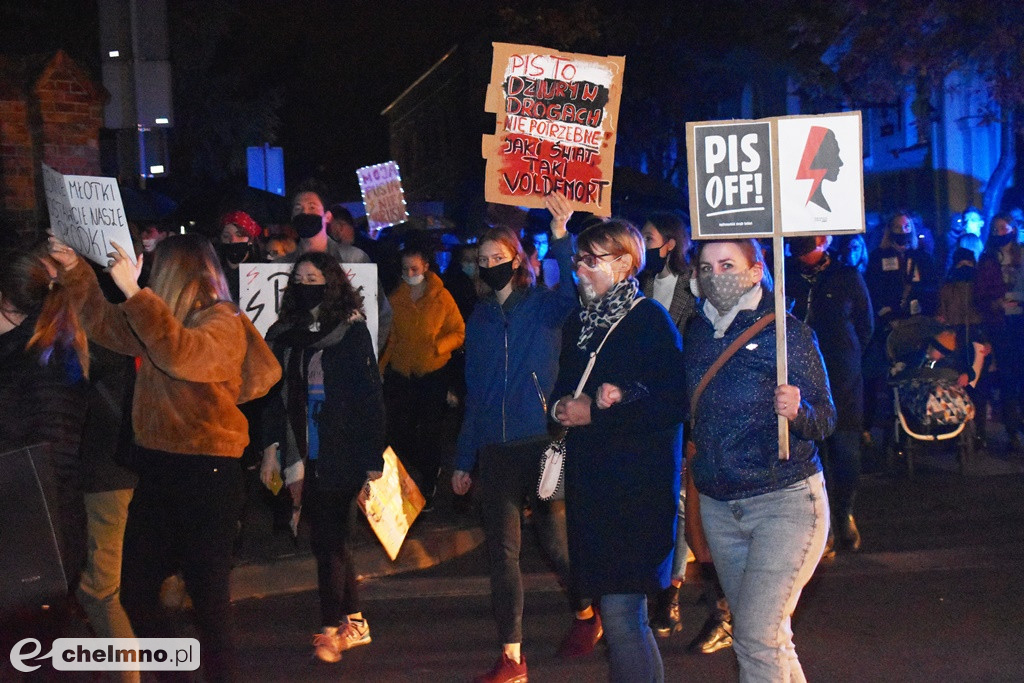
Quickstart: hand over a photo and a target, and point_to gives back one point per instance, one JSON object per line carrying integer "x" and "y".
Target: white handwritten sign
{"x": 86, "y": 213}
{"x": 393, "y": 504}
{"x": 261, "y": 286}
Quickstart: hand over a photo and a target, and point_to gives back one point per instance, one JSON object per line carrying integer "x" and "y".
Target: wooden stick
{"x": 781, "y": 353}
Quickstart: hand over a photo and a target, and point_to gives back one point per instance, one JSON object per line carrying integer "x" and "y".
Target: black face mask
{"x": 309, "y": 296}
{"x": 1000, "y": 241}
{"x": 900, "y": 239}
{"x": 654, "y": 261}
{"x": 235, "y": 252}
{"x": 496, "y": 277}
{"x": 307, "y": 225}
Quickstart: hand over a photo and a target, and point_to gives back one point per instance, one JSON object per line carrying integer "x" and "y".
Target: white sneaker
{"x": 328, "y": 644}
{"x": 354, "y": 633}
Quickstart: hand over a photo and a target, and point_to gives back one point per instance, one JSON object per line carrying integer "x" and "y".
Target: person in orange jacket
{"x": 425, "y": 330}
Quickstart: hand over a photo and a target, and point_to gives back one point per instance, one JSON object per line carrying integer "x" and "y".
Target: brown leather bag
{"x": 694, "y": 530}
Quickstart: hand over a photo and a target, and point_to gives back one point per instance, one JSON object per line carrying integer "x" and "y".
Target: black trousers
{"x": 329, "y": 515}
{"x": 184, "y": 516}
{"x": 416, "y": 410}
{"x": 508, "y": 482}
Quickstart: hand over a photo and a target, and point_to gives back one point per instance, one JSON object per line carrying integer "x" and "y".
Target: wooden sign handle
{"x": 781, "y": 354}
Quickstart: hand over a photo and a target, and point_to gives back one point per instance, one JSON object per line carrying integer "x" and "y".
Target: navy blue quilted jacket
{"x": 736, "y": 428}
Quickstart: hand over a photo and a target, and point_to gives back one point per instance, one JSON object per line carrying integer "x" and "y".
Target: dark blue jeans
{"x": 508, "y": 481}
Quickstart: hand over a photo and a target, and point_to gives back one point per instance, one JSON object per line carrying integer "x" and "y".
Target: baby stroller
{"x": 928, "y": 402}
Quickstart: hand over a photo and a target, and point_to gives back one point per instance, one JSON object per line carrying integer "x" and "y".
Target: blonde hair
{"x": 618, "y": 237}
{"x": 187, "y": 275}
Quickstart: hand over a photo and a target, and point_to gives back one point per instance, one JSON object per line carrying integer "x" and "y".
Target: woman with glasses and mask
{"x": 623, "y": 444}
{"x": 513, "y": 339}
{"x": 324, "y": 423}
{"x": 765, "y": 519}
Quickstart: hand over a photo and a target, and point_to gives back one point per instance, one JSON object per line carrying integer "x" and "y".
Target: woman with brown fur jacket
{"x": 200, "y": 357}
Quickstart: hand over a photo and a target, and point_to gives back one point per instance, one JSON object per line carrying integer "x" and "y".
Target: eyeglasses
{"x": 590, "y": 260}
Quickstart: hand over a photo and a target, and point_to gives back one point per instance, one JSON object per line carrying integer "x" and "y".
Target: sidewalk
{"x": 269, "y": 562}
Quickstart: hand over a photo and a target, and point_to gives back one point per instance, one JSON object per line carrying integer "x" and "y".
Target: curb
{"x": 430, "y": 546}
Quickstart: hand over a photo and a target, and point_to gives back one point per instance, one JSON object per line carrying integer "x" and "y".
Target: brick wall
{"x": 52, "y": 116}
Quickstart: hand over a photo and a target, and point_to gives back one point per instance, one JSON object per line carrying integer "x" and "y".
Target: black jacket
{"x": 838, "y": 308}
{"x": 351, "y": 420}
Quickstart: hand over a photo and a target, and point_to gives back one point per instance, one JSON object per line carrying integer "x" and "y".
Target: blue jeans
{"x": 631, "y": 647}
{"x": 682, "y": 549}
{"x": 765, "y": 549}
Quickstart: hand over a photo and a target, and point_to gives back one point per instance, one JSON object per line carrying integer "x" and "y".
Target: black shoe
{"x": 665, "y": 616}
{"x": 849, "y": 535}
{"x": 715, "y": 635}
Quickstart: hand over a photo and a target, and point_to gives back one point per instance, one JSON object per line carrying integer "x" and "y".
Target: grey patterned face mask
{"x": 725, "y": 289}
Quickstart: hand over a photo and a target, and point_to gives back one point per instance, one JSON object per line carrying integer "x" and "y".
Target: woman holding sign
{"x": 200, "y": 357}
{"x": 327, "y": 413}
{"x": 765, "y": 519}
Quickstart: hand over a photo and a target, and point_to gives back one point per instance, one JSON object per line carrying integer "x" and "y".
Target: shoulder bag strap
{"x": 593, "y": 354}
{"x": 747, "y": 335}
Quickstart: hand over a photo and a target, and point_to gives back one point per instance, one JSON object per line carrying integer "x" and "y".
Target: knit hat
{"x": 243, "y": 221}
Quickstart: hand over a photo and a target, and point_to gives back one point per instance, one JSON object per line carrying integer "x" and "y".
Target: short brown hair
{"x": 618, "y": 237}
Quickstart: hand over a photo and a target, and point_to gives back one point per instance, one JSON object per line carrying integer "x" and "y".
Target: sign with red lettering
{"x": 383, "y": 196}
{"x": 556, "y": 118}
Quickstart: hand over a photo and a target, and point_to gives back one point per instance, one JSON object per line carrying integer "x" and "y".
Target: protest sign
{"x": 821, "y": 174}
{"x": 392, "y": 505}
{"x": 86, "y": 213}
{"x": 261, "y": 285}
{"x": 556, "y": 118}
{"x": 731, "y": 179}
{"x": 792, "y": 175}
{"x": 383, "y": 196}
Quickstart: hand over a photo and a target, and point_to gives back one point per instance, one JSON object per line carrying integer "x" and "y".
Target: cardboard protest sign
{"x": 86, "y": 213}
{"x": 821, "y": 174}
{"x": 383, "y": 196}
{"x": 261, "y": 285}
{"x": 392, "y": 505}
{"x": 556, "y": 118}
{"x": 731, "y": 178}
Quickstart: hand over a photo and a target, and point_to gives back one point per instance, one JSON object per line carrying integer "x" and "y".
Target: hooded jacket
{"x": 423, "y": 332}
{"x": 350, "y": 422}
{"x": 735, "y": 427}
{"x": 192, "y": 376}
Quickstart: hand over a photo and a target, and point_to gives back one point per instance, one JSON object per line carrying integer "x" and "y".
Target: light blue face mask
{"x": 469, "y": 269}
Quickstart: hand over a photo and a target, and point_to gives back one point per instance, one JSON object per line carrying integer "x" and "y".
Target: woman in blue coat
{"x": 512, "y": 344}
{"x": 765, "y": 519}
{"x": 624, "y": 443}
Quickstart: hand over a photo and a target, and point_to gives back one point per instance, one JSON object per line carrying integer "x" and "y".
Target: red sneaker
{"x": 582, "y": 637}
{"x": 505, "y": 671}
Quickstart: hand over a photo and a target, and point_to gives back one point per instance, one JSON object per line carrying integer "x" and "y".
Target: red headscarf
{"x": 244, "y": 221}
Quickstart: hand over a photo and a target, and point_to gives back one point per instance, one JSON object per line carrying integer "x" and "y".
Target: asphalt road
{"x": 934, "y": 596}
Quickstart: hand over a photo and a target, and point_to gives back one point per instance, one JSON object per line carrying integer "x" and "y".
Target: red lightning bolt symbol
{"x": 806, "y": 172}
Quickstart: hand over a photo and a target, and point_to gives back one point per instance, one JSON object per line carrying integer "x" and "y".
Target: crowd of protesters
{"x": 151, "y": 387}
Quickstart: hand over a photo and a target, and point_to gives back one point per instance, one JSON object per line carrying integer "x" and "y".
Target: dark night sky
{"x": 338, "y": 64}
